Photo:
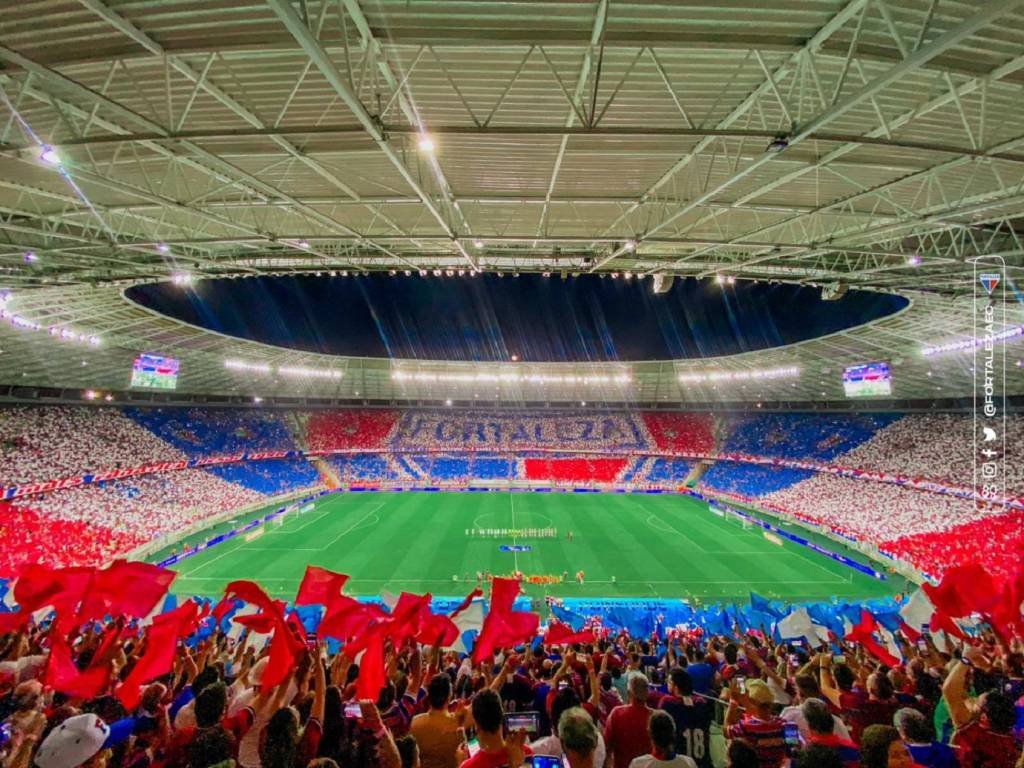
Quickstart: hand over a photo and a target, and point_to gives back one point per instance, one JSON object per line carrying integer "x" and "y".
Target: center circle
{"x": 523, "y": 520}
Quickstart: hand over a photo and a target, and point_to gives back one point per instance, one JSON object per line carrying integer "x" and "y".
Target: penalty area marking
{"x": 354, "y": 526}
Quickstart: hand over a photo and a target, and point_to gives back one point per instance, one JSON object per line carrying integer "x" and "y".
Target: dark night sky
{"x": 491, "y": 318}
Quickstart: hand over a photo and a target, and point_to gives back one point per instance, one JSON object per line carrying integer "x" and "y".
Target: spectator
{"x": 495, "y": 750}
{"x": 882, "y": 748}
{"x": 439, "y": 732}
{"x": 984, "y": 726}
{"x": 578, "y": 737}
{"x": 626, "y": 732}
{"x": 820, "y": 724}
{"x": 918, "y": 736}
{"x": 758, "y": 726}
{"x": 662, "y": 730}
{"x": 692, "y": 717}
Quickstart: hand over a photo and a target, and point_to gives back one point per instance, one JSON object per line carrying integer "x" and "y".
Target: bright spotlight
{"x": 731, "y": 280}
{"x": 163, "y": 247}
{"x": 720, "y": 279}
{"x": 478, "y": 244}
{"x": 257, "y": 399}
{"x": 423, "y": 273}
{"x": 30, "y": 256}
{"x": 181, "y": 278}
{"x": 914, "y": 261}
{"x": 303, "y": 243}
{"x": 447, "y": 402}
{"x": 630, "y": 245}
{"x": 49, "y": 155}
{"x": 425, "y": 143}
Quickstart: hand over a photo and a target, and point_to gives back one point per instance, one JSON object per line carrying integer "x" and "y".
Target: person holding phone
{"x": 496, "y": 750}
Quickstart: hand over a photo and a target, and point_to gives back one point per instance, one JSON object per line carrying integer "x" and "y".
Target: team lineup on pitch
{"x": 624, "y": 545}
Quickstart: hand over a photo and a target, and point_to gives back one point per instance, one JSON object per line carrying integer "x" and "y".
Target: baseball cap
{"x": 73, "y": 742}
{"x": 759, "y": 692}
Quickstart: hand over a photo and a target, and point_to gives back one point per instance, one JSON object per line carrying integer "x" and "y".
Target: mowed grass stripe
{"x": 417, "y": 542}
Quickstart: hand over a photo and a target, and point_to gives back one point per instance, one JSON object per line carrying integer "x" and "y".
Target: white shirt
{"x": 650, "y": 761}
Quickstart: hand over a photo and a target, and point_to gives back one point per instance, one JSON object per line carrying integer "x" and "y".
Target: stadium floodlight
{"x": 437, "y": 273}
{"x": 163, "y": 247}
{"x": 313, "y": 373}
{"x": 515, "y": 358}
{"x": 487, "y": 377}
{"x": 425, "y": 143}
{"x": 90, "y": 394}
{"x": 730, "y": 280}
{"x": 257, "y": 399}
{"x": 914, "y": 261}
{"x": 407, "y": 273}
{"x": 108, "y": 397}
{"x": 747, "y": 375}
{"x": 478, "y": 243}
{"x": 967, "y": 344}
{"x": 181, "y": 278}
{"x": 448, "y": 402}
{"x": 242, "y": 365}
{"x": 31, "y": 256}
{"x": 423, "y": 273}
{"x": 628, "y": 275}
{"x": 720, "y": 279}
{"x": 49, "y": 155}
{"x": 630, "y": 245}
{"x": 392, "y": 272}
{"x": 303, "y": 243}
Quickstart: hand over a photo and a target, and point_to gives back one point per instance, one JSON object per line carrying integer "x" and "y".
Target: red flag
{"x": 964, "y": 590}
{"x": 62, "y": 675}
{"x": 437, "y": 629}
{"x": 347, "y": 617}
{"x": 284, "y": 646}
{"x": 503, "y": 626}
{"x": 942, "y": 621}
{"x": 39, "y": 586}
{"x": 12, "y": 622}
{"x": 864, "y": 633}
{"x": 562, "y": 634}
{"x": 319, "y": 586}
{"x": 126, "y": 588}
{"x": 223, "y": 608}
{"x": 161, "y": 644}
{"x": 372, "y": 674}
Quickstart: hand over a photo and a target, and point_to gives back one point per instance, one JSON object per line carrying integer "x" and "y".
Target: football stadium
{"x": 486, "y": 383}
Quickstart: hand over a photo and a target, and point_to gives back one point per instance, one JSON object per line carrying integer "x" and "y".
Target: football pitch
{"x": 627, "y": 545}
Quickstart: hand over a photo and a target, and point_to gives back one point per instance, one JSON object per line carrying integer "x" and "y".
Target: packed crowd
{"x": 936, "y": 446}
{"x": 41, "y": 444}
{"x": 217, "y": 432}
{"x": 212, "y": 686}
{"x": 116, "y": 516}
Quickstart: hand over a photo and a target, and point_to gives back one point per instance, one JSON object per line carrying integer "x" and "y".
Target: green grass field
{"x": 654, "y": 546}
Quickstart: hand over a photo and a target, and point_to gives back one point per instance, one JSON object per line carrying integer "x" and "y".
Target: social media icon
{"x": 990, "y": 434}
{"x": 989, "y": 469}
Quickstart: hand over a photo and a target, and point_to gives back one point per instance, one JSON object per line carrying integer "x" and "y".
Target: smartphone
{"x": 472, "y": 747}
{"x": 839, "y": 659}
{"x": 741, "y": 683}
{"x": 522, "y": 721}
{"x": 352, "y": 709}
{"x": 791, "y": 732}
{"x": 794, "y": 660}
{"x": 922, "y": 645}
{"x": 546, "y": 761}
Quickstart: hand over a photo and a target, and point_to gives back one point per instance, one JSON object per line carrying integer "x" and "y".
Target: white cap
{"x": 72, "y": 742}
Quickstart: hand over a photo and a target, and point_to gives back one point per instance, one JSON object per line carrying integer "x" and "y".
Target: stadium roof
{"x": 867, "y": 143}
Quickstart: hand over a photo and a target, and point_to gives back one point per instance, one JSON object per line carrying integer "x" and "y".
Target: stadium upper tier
{"x": 454, "y": 447}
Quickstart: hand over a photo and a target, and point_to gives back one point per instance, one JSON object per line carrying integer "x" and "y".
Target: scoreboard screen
{"x": 868, "y": 380}
{"x": 155, "y": 372}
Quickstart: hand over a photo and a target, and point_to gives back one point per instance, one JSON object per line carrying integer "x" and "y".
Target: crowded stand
{"x": 751, "y": 480}
{"x": 573, "y": 471}
{"x": 667, "y": 471}
{"x": 100, "y": 669}
{"x": 681, "y": 432}
{"x": 821, "y": 437}
{"x": 334, "y": 430}
{"x": 213, "y": 432}
{"x": 40, "y": 444}
{"x": 270, "y": 477}
{"x": 937, "y": 445}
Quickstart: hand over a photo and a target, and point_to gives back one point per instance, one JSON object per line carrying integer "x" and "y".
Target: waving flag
{"x": 562, "y": 634}
{"x": 107, "y": 593}
{"x": 319, "y": 586}
{"x": 161, "y": 646}
{"x": 503, "y": 626}
{"x": 864, "y": 633}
